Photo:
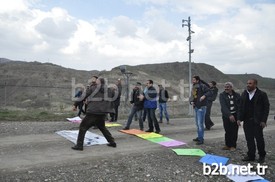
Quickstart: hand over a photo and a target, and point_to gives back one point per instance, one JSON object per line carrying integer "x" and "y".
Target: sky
{"x": 234, "y": 36}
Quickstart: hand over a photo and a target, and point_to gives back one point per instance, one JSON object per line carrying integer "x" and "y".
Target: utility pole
{"x": 5, "y": 94}
{"x": 127, "y": 74}
{"x": 188, "y": 24}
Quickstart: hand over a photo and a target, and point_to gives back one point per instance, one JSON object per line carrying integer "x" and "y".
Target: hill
{"x": 29, "y": 85}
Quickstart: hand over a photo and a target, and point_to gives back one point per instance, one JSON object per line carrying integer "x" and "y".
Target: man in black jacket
{"x": 137, "y": 107}
{"x": 254, "y": 110}
{"x": 99, "y": 99}
{"x": 208, "y": 122}
{"x": 230, "y": 103}
{"x": 200, "y": 92}
{"x": 163, "y": 98}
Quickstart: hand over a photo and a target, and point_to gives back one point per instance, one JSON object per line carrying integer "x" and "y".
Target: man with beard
{"x": 254, "y": 110}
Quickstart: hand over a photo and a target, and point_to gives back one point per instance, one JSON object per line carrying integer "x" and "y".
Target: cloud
{"x": 233, "y": 36}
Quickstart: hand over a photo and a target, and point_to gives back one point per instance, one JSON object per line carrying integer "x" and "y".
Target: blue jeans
{"x": 200, "y": 118}
{"x": 134, "y": 111}
{"x": 162, "y": 108}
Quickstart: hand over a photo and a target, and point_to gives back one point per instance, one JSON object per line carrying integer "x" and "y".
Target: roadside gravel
{"x": 159, "y": 164}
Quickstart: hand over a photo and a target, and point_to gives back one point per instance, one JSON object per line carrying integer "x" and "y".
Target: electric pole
{"x": 188, "y": 24}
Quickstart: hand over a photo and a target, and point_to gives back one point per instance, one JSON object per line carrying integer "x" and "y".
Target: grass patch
{"x": 33, "y": 115}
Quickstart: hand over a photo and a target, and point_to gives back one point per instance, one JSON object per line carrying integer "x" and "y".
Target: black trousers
{"x": 231, "y": 131}
{"x": 208, "y": 122}
{"x": 93, "y": 120}
{"x": 114, "y": 116}
{"x": 254, "y": 131}
{"x": 152, "y": 120}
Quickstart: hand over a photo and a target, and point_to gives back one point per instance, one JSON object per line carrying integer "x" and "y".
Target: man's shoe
{"x": 247, "y": 159}
{"x": 112, "y": 145}
{"x": 206, "y": 128}
{"x": 196, "y": 139}
{"x": 76, "y": 147}
{"x": 199, "y": 142}
{"x": 160, "y": 121}
{"x": 232, "y": 149}
{"x": 149, "y": 131}
{"x": 261, "y": 159}
{"x": 157, "y": 131}
{"x": 226, "y": 148}
{"x": 126, "y": 128}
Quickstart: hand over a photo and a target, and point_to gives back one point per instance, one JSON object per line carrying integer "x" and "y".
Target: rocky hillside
{"x": 49, "y": 86}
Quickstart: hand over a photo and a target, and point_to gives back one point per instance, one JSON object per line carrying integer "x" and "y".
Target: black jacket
{"x": 225, "y": 103}
{"x": 135, "y": 100}
{"x": 198, "y": 90}
{"x": 214, "y": 94}
{"x": 100, "y": 99}
{"x": 163, "y": 96}
{"x": 261, "y": 106}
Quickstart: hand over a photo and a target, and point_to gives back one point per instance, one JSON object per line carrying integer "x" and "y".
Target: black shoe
{"x": 247, "y": 159}
{"x": 76, "y": 147}
{"x": 157, "y": 131}
{"x": 112, "y": 145}
{"x": 261, "y": 159}
{"x": 199, "y": 142}
{"x": 125, "y": 128}
{"x": 149, "y": 130}
{"x": 160, "y": 121}
{"x": 196, "y": 139}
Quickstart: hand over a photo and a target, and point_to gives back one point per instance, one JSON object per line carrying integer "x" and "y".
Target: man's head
{"x": 149, "y": 83}
{"x": 212, "y": 84}
{"x": 160, "y": 86}
{"x": 195, "y": 79}
{"x": 93, "y": 79}
{"x": 138, "y": 84}
{"x": 251, "y": 84}
{"x": 228, "y": 87}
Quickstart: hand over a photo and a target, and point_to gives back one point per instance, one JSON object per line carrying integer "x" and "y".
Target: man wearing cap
{"x": 136, "y": 108}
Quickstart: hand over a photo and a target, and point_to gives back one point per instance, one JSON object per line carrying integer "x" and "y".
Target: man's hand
{"x": 202, "y": 98}
{"x": 263, "y": 124}
{"x": 232, "y": 118}
{"x": 74, "y": 108}
{"x": 239, "y": 123}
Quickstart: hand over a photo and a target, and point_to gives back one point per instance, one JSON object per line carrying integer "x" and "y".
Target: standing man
{"x": 163, "y": 98}
{"x": 136, "y": 108}
{"x": 254, "y": 110}
{"x": 208, "y": 122}
{"x": 230, "y": 103}
{"x": 200, "y": 92}
{"x": 114, "y": 116}
{"x": 79, "y": 104}
{"x": 99, "y": 104}
{"x": 150, "y": 106}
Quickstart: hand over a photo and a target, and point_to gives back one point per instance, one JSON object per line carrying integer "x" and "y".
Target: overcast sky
{"x": 235, "y": 36}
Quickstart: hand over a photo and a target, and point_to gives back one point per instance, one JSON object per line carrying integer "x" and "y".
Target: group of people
{"x": 251, "y": 107}
{"x": 145, "y": 102}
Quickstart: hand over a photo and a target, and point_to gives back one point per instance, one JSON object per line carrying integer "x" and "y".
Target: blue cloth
{"x": 199, "y": 118}
{"x": 163, "y": 108}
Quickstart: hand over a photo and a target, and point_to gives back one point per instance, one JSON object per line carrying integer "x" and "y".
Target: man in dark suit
{"x": 254, "y": 110}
